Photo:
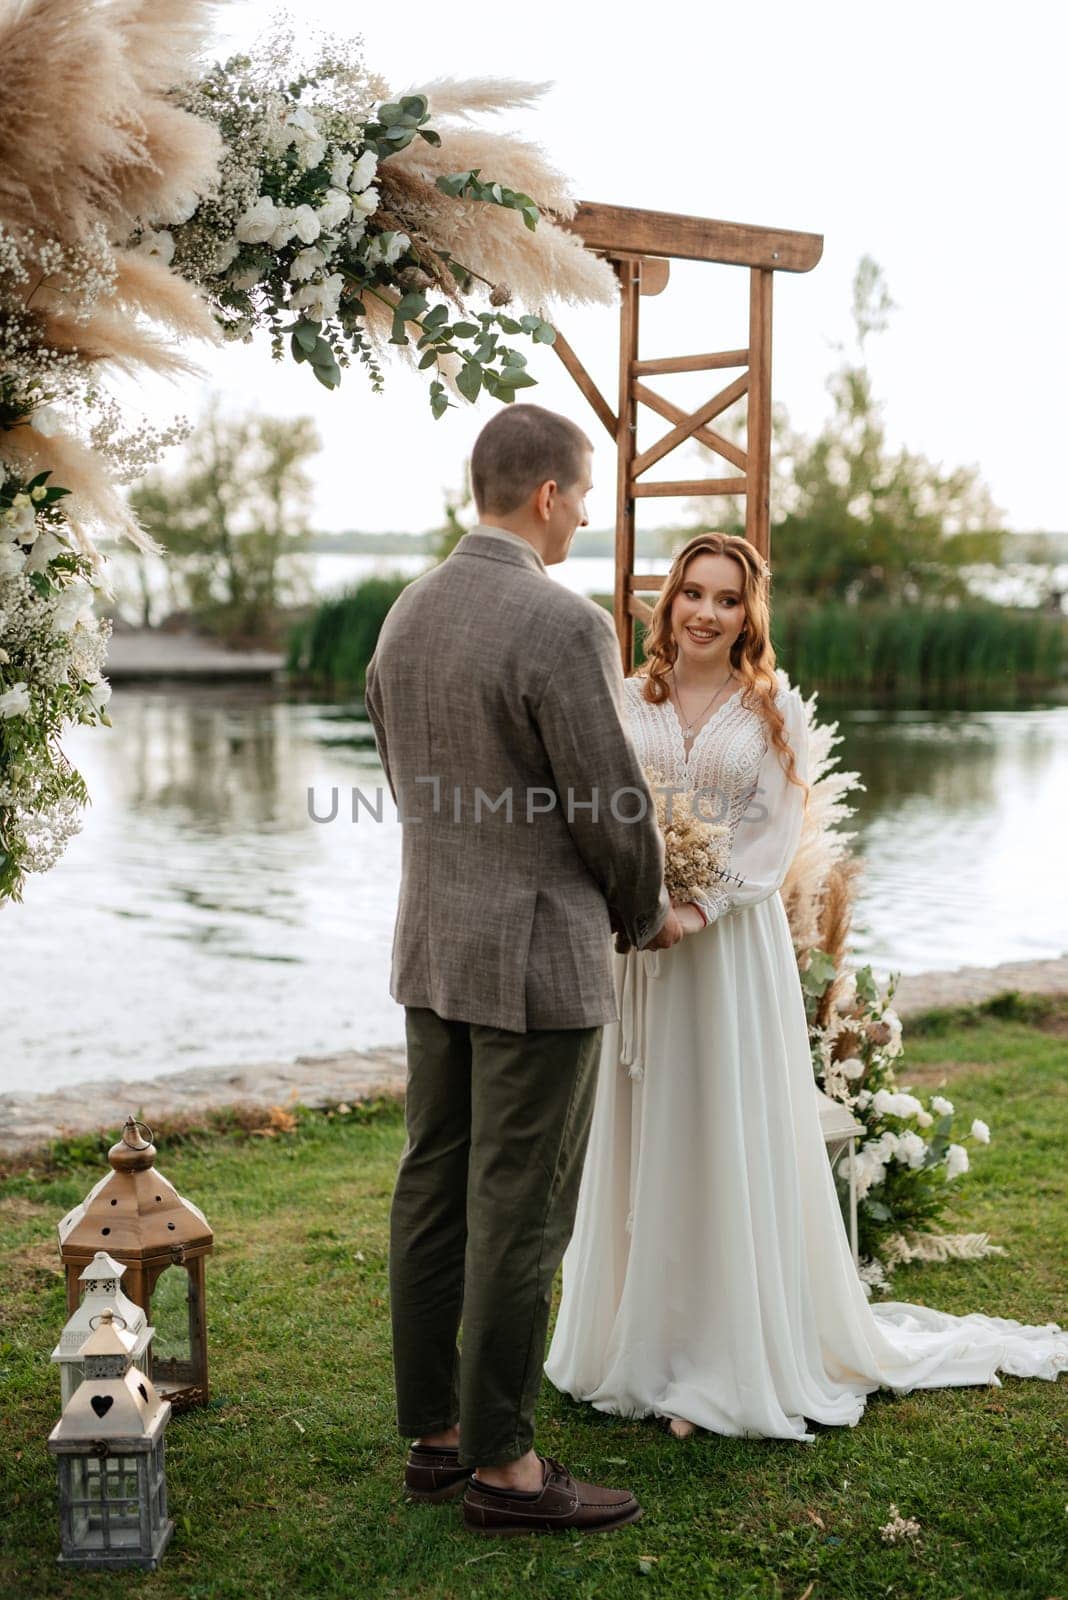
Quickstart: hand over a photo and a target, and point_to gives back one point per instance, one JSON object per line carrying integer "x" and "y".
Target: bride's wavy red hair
{"x": 752, "y": 657}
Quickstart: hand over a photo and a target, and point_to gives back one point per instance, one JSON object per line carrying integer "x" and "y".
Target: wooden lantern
{"x": 163, "y": 1241}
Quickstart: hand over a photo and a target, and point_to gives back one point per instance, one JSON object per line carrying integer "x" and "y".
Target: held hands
{"x": 682, "y": 919}
{"x": 670, "y": 932}
{"x": 691, "y": 919}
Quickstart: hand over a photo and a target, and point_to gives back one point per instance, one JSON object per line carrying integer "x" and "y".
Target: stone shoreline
{"x": 29, "y": 1120}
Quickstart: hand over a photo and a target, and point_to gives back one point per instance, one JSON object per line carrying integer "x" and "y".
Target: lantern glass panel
{"x": 172, "y": 1345}
{"x": 104, "y": 1503}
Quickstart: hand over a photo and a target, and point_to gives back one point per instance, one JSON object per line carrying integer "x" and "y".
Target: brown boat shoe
{"x": 433, "y": 1473}
{"x": 562, "y": 1505}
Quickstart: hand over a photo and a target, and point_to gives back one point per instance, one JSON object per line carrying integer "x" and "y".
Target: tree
{"x": 853, "y": 518}
{"x": 233, "y": 519}
{"x": 459, "y": 506}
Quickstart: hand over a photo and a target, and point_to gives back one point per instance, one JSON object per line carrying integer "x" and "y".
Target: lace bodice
{"x": 739, "y": 777}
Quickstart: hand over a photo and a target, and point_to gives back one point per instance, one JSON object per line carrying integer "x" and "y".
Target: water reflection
{"x": 202, "y": 918}
{"x": 959, "y": 830}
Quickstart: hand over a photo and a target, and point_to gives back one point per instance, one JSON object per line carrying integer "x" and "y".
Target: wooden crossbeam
{"x": 707, "y": 436}
{"x": 707, "y": 363}
{"x": 638, "y": 608}
{"x": 711, "y": 408}
{"x": 694, "y": 486}
{"x": 666, "y": 233}
{"x": 585, "y": 383}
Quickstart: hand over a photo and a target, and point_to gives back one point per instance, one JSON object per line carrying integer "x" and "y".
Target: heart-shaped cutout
{"x": 102, "y": 1403}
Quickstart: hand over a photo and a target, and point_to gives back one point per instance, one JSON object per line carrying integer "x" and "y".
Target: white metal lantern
{"x": 109, "y": 1450}
{"x": 840, "y": 1130}
{"x": 102, "y": 1292}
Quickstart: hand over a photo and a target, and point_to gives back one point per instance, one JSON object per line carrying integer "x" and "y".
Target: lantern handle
{"x": 132, "y": 1122}
{"x": 109, "y": 1316}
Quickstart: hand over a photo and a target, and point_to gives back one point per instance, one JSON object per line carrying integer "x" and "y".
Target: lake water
{"x": 202, "y": 918}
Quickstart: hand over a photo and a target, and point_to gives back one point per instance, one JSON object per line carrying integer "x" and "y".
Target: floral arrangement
{"x": 51, "y": 668}
{"x": 339, "y": 216}
{"x": 907, "y": 1154}
{"x": 75, "y": 306}
{"x": 165, "y": 204}
{"x": 695, "y": 851}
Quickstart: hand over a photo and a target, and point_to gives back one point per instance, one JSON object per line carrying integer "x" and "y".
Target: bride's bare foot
{"x": 679, "y": 1428}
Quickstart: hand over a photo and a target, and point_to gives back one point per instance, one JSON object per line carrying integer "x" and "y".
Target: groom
{"x": 528, "y": 835}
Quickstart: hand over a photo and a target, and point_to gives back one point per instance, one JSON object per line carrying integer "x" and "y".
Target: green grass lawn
{"x": 288, "y": 1486}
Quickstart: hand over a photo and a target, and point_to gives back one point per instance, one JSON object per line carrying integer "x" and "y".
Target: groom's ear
{"x": 544, "y": 497}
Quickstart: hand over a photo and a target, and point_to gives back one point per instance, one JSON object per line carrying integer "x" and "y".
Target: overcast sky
{"x": 927, "y": 135}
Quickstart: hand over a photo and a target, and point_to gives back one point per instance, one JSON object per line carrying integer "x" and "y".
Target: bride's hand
{"x": 688, "y": 914}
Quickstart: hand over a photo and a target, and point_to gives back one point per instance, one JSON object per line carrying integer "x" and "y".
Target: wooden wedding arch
{"x": 641, "y": 246}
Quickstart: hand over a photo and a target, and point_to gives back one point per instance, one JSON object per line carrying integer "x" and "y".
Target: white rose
{"x": 304, "y": 133}
{"x": 306, "y": 264}
{"x": 852, "y": 1068}
{"x": 941, "y": 1107}
{"x": 913, "y": 1149}
{"x": 311, "y": 152}
{"x": 160, "y": 246}
{"x": 864, "y": 1099}
{"x": 386, "y": 248}
{"x": 258, "y": 224}
{"x": 341, "y": 168}
{"x": 46, "y": 547}
{"x": 365, "y": 204}
{"x": 319, "y": 300}
{"x": 907, "y": 1106}
{"x": 884, "y": 1103}
{"x": 980, "y": 1132}
{"x": 285, "y": 228}
{"x": 356, "y": 233}
{"x": 956, "y": 1161}
{"x": 299, "y": 120}
{"x": 306, "y": 224}
{"x": 99, "y": 695}
{"x": 15, "y": 702}
{"x": 73, "y": 609}
{"x": 334, "y": 209}
{"x": 924, "y": 1119}
{"x": 363, "y": 172}
{"x": 23, "y": 521}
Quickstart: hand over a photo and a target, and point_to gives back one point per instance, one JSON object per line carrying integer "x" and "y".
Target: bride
{"x": 709, "y": 1279}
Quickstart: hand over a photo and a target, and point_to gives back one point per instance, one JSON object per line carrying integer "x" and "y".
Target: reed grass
{"x": 895, "y": 653}
{"x": 332, "y": 647}
{"x": 903, "y": 653}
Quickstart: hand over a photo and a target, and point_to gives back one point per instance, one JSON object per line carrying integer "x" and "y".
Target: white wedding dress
{"x": 709, "y": 1276}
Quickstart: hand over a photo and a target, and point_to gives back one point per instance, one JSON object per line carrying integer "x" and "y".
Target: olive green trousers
{"x": 482, "y": 1212}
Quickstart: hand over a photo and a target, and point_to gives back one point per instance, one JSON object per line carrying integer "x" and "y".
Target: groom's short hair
{"x": 521, "y": 448}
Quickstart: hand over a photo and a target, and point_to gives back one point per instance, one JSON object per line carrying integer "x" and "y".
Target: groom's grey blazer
{"x": 493, "y": 686}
